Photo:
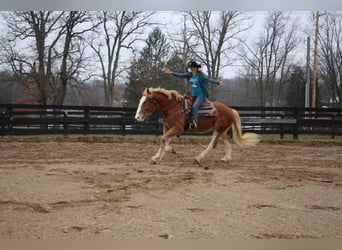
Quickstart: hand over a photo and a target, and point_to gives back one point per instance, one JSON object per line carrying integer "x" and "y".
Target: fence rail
{"x": 29, "y": 119}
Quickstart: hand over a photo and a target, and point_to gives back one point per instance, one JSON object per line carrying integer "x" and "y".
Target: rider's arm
{"x": 211, "y": 80}
{"x": 181, "y": 75}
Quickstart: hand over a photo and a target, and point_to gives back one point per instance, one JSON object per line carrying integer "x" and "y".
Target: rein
{"x": 178, "y": 112}
{"x": 168, "y": 106}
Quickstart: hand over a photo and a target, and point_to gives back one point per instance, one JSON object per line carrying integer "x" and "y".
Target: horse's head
{"x": 147, "y": 105}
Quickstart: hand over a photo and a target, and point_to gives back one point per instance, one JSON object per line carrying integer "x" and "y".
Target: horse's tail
{"x": 246, "y": 139}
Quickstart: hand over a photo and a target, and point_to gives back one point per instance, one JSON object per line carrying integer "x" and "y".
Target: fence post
{"x": 86, "y": 121}
{"x": 123, "y": 125}
{"x": 282, "y": 126}
{"x": 2, "y": 121}
{"x": 9, "y": 115}
{"x": 65, "y": 124}
{"x": 333, "y": 126}
{"x": 296, "y": 124}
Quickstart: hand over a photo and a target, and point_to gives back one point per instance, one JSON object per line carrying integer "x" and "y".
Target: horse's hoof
{"x": 154, "y": 161}
{"x": 168, "y": 149}
{"x": 226, "y": 160}
{"x": 197, "y": 160}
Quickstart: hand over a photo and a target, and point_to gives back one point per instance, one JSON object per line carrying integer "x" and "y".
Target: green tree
{"x": 296, "y": 87}
{"x": 177, "y": 64}
{"x": 147, "y": 70}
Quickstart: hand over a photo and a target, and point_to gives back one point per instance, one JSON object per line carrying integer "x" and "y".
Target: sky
{"x": 172, "y": 19}
{"x": 147, "y": 5}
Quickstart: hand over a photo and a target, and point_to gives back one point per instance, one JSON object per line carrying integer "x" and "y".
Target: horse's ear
{"x": 148, "y": 91}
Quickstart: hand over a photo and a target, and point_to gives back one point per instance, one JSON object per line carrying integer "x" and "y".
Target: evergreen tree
{"x": 296, "y": 87}
{"x": 135, "y": 84}
{"x": 147, "y": 70}
{"x": 176, "y": 64}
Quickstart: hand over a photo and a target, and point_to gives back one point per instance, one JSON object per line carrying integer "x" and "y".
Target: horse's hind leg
{"x": 227, "y": 148}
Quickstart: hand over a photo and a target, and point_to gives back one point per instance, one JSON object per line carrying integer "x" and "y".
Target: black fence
{"x": 23, "y": 119}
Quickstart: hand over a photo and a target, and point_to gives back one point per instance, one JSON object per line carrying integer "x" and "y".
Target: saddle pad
{"x": 206, "y": 104}
{"x": 206, "y": 108}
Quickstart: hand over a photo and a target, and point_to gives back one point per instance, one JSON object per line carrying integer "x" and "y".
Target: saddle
{"x": 206, "y": 108}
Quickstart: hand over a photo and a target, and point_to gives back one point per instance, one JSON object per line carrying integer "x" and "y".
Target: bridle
{"x": 163, "y": 109}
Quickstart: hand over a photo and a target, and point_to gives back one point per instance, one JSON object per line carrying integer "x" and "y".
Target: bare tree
{"x": 267, "y": 59}
{"x": 330, "y": 55}
{"x": 50, "y": 55}
{"x": 180, "y": 42}
{"x": 120, "y": 29}
{"x": 212, "y": 38}
{"x": 72, "y": 59}
{"x": 29, "y": 68}
{"x": 183, "y": 52}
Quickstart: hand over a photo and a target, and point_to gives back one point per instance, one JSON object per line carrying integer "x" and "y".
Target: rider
{"x": 200, "y": 87}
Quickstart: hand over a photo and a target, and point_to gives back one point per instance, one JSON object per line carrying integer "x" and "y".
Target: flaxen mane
{"x": 169, "y": 93}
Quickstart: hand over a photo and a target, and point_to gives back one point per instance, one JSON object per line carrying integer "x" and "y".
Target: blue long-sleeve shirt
{"x": 204, "y": 81}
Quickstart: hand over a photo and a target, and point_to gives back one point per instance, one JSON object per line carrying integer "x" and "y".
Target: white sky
{"x": 178, "y": 5}
{"x": 172, "y": 19}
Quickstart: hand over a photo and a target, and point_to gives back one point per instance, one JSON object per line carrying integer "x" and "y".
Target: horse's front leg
{"x": 164, "y": 141}
{"x": 168, "y": 147}
{"x": 205, "y": 152}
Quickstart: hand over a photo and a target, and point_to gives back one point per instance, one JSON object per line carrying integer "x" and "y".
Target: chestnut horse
{"x": 171, "y": 104}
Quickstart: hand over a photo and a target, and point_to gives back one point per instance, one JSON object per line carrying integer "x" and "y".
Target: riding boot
{"x": 193, "y": 124}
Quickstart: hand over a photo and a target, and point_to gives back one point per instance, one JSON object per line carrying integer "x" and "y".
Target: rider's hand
{"x": 167, "y": 71}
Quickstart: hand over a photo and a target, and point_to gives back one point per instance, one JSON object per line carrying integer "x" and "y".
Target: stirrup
{"x": 193, "y": 124}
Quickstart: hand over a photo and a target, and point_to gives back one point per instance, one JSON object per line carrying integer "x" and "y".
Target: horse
{"x": 171, "y": 104}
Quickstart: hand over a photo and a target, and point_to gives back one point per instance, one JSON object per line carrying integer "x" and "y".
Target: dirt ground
{"x": 100, "y": 190}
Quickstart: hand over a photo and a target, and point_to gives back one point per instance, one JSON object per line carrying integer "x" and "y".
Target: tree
{"x": 177, "y": 64}
{"x": 182, "y": 54}
{"x": 10, "y": 90}
{"x": 267, "y": 59}
{"x": 50, "y": 54}
{"x": 295, "y": 95}
{"x": 71, "y": 58}
{"x": 121, "y": 30}
{"x": 180, "y": 42}
{"x": 212, "y": 39}
{"x": 330, "y": 56}
{"x": 147, "y": 70}
{"x": 29, "y": 26}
